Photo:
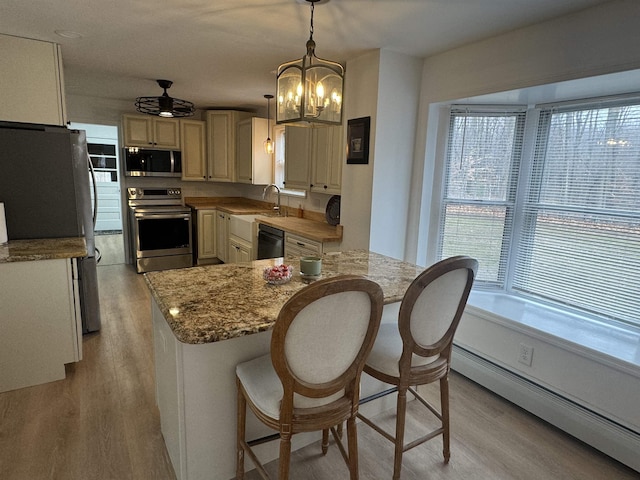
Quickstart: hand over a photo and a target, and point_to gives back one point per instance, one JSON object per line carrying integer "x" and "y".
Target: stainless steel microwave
{"x": 142, "y": 162}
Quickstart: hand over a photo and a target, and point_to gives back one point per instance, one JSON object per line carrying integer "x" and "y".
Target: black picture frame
{"x": 358, "y": 140}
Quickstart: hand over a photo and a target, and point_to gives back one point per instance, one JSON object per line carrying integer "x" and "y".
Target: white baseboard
{"x": 601, "y": 433}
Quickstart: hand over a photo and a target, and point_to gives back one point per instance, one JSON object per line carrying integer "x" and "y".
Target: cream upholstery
{"x": 417, "y": 350}
{"x": 310, "y": 380}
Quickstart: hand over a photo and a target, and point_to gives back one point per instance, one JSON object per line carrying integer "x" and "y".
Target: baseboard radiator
{"x": 592, "y": 428}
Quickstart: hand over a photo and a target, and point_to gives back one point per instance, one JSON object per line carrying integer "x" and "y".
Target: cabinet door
{"x": 32, "y": 81}
{"x": 253, "y": 164}
{"x": 138, "y": 131}
{"x": 192, "y": 133}
{"x": 222, "y": 236}
{"x": 301, "y": 246}
{"x": 326, "y": 160}
{"x": 243, "y": 152}
{"x": 166, "y": 133}
{"x": 239, "y": 250}
{"x": 221, "y": 141}
{"x": 207, "y": 234}
{"x": 297, "y": 157}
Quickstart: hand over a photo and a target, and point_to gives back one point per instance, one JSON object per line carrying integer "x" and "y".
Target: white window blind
{"x": 580, "y": 241}
{"x": 482, "y": 161}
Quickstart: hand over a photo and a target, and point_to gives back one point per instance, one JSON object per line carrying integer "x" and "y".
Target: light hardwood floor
{"x": 101, "y": 421}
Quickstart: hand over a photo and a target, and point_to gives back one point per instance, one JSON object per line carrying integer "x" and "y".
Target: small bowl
{"x": 278, "y": 274}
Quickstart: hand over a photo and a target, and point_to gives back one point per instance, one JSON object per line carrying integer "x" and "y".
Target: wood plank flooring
{"x": 101, "y": 422}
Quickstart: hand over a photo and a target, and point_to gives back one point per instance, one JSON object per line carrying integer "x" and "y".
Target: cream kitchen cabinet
{"x": 239, "y": 250}
{"x": 327, "y": 153}
{"x": 206, "y": 225}
{"x": 151, "y": 132}
{"x": 32, "y": 81}
{"x": 194, "y": 151}
{"x": 222, "y": 235}
{"x": 253, "y": 164}
{"x": 41, "y": 321}
{"x": 221, "y": 144}
{"x": 299, "y": 246}
{"x": 297, "y": 156}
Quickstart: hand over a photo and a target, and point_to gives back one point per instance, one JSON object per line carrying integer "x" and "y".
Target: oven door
{"x": 162, "y": 234}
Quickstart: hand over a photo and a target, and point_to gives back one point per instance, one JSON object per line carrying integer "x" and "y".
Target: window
{"x": 571, "y": 236}
{"x": 483, "y": 158}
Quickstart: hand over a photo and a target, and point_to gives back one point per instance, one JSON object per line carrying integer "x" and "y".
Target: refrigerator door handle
{"x": 95, "y": 191}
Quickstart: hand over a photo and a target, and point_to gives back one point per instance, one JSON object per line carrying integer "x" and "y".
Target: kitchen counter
{"x": 311, "y": 229}
{"x": 207, "y": 320}
{"x": 42, "y": 249}
{"x": 219, "y": 302}
{"x": 231, "y": 205}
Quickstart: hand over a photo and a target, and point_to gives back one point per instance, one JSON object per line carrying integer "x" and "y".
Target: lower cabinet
{"x": 297, "y": 246}
{"x": 239, "y": 250}
{"x": 41, "y": 326}
{"x": 222, "y": 235}
{"x": 207, "y": 235}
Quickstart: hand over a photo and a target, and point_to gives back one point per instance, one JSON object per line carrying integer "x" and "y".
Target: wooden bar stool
{"x": 418, "y": 350}
{"x": 311, "y": 379}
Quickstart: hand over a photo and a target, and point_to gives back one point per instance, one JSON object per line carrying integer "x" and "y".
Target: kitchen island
{"x": 40, "y": 317}
{"x": 208, "y": 319}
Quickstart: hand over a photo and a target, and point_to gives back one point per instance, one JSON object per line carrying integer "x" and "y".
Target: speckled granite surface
{"x": 217, "y": 302}
{"x": 42, "y": 249}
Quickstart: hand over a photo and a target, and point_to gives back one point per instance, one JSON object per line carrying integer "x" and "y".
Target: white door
{"x": 102, "y": 142}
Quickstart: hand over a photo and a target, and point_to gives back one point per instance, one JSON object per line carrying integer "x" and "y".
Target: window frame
{"x": 526, "y": 171}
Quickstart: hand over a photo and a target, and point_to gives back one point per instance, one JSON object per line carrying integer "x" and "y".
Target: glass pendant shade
{"x": 310, "y": 89}
{"x": 269, "y": 145}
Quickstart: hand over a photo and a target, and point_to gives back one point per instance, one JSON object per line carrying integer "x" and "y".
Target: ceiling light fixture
{"x": 164, "y": 105}
{"x": 269, "y": 146}
{"x": 310, "y": 89}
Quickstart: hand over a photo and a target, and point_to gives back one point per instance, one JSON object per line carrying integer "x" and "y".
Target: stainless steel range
{"x": 160, "y": 229}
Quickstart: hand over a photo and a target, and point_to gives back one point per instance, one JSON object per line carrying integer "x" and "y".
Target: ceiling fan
{"x": 164, "y": 105}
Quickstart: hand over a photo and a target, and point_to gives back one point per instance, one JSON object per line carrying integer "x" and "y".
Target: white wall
{"x": 361, "y": 99}
{"x": 398, "y": 91}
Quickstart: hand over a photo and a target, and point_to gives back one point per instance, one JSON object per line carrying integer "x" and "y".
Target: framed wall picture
{"x": 358, "y": 140}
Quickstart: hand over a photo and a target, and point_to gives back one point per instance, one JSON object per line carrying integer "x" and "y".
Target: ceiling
{"x": 223, "y": 53}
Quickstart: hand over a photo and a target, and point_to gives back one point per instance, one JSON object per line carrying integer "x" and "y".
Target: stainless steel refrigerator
{"x": 45, "y": 186}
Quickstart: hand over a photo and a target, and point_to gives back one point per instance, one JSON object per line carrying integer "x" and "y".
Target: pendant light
{"x": 310, "y": 89}
{"x": 164, "y": 105}
{"x": 269, "y": 145}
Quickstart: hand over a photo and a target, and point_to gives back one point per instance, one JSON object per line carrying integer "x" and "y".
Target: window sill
{"x": 615, "y": 345}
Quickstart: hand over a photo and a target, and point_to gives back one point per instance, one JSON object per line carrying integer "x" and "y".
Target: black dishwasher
{"x": 270, "y": 242}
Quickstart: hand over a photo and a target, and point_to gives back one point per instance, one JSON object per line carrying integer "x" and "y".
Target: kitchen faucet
{"x": 264, "y": 193}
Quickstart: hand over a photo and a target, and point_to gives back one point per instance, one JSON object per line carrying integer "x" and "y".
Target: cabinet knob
{"x": 311, "y": 185}
{"x": 325, "y": 186}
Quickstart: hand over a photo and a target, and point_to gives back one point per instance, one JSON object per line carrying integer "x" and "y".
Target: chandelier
{"x": 164, "y": 105}
{"x": 310, "y": 89}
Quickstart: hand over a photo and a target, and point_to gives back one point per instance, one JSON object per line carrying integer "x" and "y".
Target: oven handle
{"x": 162, "y": 216}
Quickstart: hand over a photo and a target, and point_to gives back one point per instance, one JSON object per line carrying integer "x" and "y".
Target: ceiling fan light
{"x": 164, "y": 105}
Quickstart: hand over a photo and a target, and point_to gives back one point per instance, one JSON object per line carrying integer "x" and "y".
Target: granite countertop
{"x": 218, "y": 302}
{"x": 42, "y": 249}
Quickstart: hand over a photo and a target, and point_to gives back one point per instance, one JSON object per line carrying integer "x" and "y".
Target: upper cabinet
{"x": 194, "y": 150}
{"x": 253, "y": 164}
{"x": 221, "y": 142}
{"x": 297, "y": 157}
{"x": 32, "y": 81}
{"x": 151, "y": 132}
{"x": 313, "y": 159}
{"x": 327, "y": 152}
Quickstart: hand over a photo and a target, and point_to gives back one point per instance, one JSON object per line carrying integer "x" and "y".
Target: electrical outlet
{"x": 525, "y": 354}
